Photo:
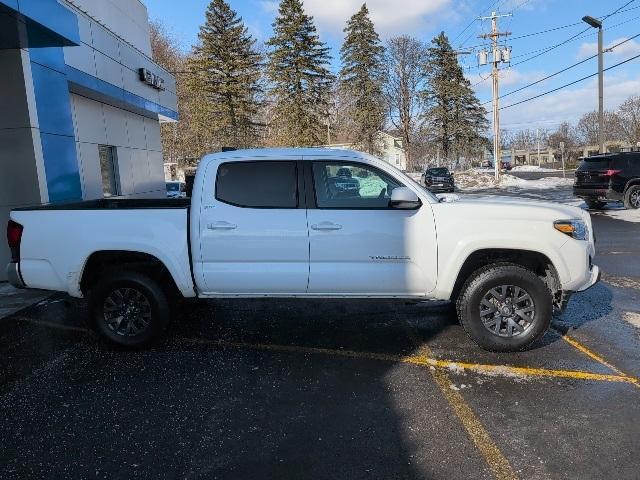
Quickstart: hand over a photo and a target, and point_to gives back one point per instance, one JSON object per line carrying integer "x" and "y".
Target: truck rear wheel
{"x": 505, "y": 307}
{"x": 129, "y": 309}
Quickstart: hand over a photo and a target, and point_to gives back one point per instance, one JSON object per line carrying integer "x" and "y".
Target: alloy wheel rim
{"x": 635, "y": 198}
{"x": 127, "y": 312}
{"x": 507, "y": 310}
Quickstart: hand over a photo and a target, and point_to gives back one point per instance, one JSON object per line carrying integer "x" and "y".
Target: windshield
{"x": 173, "y": 187}
{"x": 438, "y": 171}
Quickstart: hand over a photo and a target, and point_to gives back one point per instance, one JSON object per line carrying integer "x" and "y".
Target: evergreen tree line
{"x": 235, "y": 92}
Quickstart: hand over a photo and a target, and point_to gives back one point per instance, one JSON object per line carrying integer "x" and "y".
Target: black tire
{"x": 632, "y": 197}
{"x": 480, "y": 284}
{"x": 141, "y": 294}
{"x": 593, "y": 204}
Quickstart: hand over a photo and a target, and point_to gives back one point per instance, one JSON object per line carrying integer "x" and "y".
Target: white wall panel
{"x": 115, "y": 120}
{"x": 152, "y": 132}
{"x": 125, "y": 171}
{"x": 108, "y": 70}
{"x": 89, "y": 170}
{"x": 89, "y": 120}
{"x": 105, "y": 42}
{"x": 135, "y": 130}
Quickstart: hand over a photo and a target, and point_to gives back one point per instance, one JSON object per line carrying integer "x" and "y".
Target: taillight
{"x": 14, "y": 236}
{"x": 609, "y": 173}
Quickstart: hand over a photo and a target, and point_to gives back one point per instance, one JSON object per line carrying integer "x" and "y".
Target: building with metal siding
{"x": 81, "y": 103}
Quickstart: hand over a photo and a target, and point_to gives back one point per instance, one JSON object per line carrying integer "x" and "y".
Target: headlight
{"x": 574, "y": 228}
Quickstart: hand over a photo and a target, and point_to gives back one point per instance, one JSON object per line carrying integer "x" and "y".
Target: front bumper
{"x": 440, "y": 187}
{"x": 597, "y": 193}
{"x": 594, "y": 277}
{"x": 13, "y": 275}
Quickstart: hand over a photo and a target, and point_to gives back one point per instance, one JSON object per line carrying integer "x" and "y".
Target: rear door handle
{"x": 221, "y": 226}
{"x": 326, "y": 226}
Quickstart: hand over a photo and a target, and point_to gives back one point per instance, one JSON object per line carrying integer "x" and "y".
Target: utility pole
{"x": 538, "y": 139}
{"x": 498, "y": 56}
{"x": 595, "y": 23}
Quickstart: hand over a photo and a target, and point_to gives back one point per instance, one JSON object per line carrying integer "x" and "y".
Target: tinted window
{"x": 258, "y": 184}
{"x": 594, "y": 163}
{"x": 351, "y": 185}
{"x": 438, "y": 171}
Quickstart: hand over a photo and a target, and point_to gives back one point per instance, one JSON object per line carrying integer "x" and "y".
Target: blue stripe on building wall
{"x": 113, "y": 95}
{"x": 53, "y": 105}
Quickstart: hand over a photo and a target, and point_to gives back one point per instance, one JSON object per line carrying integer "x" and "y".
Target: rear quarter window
{"x": 260, "y": 184}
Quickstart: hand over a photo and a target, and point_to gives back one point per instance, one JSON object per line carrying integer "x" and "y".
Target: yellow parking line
{"x": 486, "y": 369}
{"x": 495, "y": 459}
{"x": 493, "y": 370}
{"x": 593, "y": 355}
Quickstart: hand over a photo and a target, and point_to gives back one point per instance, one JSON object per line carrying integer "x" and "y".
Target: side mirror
{"x": 404, "y": 198}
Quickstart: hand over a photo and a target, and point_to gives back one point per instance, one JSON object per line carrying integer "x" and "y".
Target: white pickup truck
{"x": 307, "y": 223}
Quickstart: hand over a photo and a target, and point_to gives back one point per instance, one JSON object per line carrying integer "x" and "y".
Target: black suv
{"x": 609, "y": 177}
{"x": 438, "y": 179}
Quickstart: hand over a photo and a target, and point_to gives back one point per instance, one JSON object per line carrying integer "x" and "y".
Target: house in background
{"x": 389, "y": 146}
{"x": 81, "y": 103}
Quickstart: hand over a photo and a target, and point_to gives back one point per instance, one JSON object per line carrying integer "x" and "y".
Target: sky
{"x": 424, "y": 19}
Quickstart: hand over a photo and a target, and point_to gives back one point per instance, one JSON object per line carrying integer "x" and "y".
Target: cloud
{"x": 627, "y": 49}
{"x": 390, "y": 17}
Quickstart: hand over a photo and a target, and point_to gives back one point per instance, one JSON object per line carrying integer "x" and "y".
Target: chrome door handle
{"x": 326, "y": 226}
{"x": 221, "y": 226}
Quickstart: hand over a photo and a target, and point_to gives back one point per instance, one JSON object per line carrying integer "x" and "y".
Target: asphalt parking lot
{"x": 317, "y": 389}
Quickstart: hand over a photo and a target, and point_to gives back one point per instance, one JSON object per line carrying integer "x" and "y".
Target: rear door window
{"x": 261, "y": 184}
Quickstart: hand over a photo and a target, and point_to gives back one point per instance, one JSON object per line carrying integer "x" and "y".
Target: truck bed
{"x": 58, "y": 240}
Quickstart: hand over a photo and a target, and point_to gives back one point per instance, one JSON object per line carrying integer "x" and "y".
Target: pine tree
{"x": 225, "y": 72}
{"x": 301, "y": 83}
{"x": 454, "y": 116}
{"x": 361, "y": 80}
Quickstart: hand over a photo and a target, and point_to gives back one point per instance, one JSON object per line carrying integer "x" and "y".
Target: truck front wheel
{"x": 505, "y": 307}
{"x": 129, "y": 309}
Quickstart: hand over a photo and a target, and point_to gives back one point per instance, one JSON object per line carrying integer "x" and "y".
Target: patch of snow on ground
{"x": 534, "y": 168}
{"x": 475, "y": 180}
{"x": 620, "y": 213}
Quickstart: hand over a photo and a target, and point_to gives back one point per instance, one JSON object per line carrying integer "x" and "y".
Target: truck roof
{"x": 285, "y": 153}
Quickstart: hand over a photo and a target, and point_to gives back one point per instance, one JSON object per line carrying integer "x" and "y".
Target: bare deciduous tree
{"x": 406, "y": 59}
{"x": 630, "y": 119}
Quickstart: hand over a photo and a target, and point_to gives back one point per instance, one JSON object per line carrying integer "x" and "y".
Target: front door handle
{"x": 326, "y": 226}
{"x": 221, "y": 226}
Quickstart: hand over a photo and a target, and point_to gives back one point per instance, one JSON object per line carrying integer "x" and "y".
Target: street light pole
{"x": 595, "y": 23}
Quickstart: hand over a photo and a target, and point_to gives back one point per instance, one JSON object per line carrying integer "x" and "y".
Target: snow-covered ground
{"x": 533, "y": 168}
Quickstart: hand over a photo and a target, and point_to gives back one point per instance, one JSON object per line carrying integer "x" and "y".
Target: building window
{"x": 109, "y": 170}
{"x": 397, "y": 159}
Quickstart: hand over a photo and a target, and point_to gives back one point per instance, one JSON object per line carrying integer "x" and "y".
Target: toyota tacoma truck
{"x": 315, "y": 223}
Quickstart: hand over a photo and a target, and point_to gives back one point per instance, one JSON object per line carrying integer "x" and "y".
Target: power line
{"x": 569, "y": 84}
{"x": 473, "y": 21}
{"x": 563, "y": 70}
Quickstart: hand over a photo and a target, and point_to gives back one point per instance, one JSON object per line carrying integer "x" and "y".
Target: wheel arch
{"x": 535, "y": 261}
{"x": 100, "y": 262}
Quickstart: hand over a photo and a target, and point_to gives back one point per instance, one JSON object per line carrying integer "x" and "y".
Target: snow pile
{"x": 475, "y": 180}
{"x": 533, "y": 168}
